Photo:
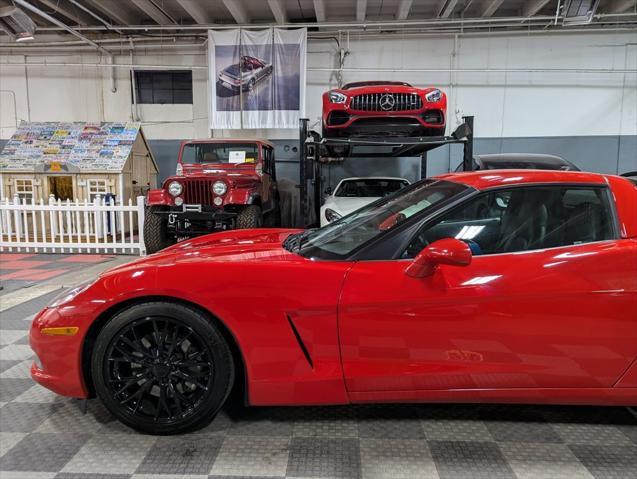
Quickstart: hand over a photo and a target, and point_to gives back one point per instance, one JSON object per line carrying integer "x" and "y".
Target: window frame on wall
{"x": 89, "y": 185}
{"x": 162, "y": 87}
{"x": 23, "y": 194}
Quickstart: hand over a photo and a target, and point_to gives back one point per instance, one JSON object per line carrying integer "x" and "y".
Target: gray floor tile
{"x": 540, "y": 461}
{"x": 262, "y": 422}
{"x": 66, "y": 475}
{"x": 608, "y": 462}
{"x": 42, "y": 452}
{"x": 456, "y": 430}
{"x": 11, "y": 388}
{"x": 325, "y": 422}
{"x": 125, "y": 454}
{"x": 520, "y": 431}
{"x": 382, "y": 421}
{"x": 23, "y": 417}
{"x": 8, "y": 440}
{"x": 7, "y": 364}
{"x": 598, "y": 434}
{"x": 175, "y": 455}
{"x": 323, "y": 457}
{"x": 252, "y": 456}
{"x": 396, "y": 459}
{"x": 471, "y": 460}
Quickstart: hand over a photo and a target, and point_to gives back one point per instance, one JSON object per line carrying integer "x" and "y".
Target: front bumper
{"x": 421, "y": 122}
{"x": 193, "y": 220}
{"x": 59, "y": 357}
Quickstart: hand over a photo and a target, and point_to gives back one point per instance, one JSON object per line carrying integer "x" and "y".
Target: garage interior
{"x": 555, "y": 77}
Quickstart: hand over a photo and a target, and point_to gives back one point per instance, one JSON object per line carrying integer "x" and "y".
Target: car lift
{"x": 314, "y": 147}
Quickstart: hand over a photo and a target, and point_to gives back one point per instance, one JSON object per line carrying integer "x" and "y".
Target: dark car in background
{"x": 524, "y": 161}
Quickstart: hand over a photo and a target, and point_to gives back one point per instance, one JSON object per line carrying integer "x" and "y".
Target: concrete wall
{"x": 590, "y": 119}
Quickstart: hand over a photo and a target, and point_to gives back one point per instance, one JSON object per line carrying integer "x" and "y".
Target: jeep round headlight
{"x": 219, "y": 188}
{"x": 433, "y": 96}
{"x": 175, "y": 188}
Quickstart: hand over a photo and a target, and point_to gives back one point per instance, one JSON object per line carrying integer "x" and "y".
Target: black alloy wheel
{"x": 162, "y": 368}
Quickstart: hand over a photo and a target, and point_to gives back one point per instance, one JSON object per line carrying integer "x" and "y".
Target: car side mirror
{"x": 328, "y": 190}
{"x": 445, "y": 251}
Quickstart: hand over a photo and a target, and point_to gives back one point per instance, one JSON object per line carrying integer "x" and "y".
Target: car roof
{"x": 485, "y": 179}
{"x": 231, "y": 140}
{"x": 535, "y": 158}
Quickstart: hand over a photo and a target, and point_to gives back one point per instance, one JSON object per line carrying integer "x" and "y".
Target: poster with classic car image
{"x": 257, "y": 78}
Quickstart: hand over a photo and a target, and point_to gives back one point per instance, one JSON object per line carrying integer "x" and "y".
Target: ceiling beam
{"x": 620, "y": 6}
{"x": 278, "y": 11}
{"x": 153, "y": 11}
{"x": 319, "y": 10}
{"x": 196, "y": 10}
{"x": 118, "y": 15}
{"x": 237, "y": 11}
{"x": 489, "y": 7}
{"x": 361, "y": 10}
{"x": 446, "y": 7}
{"x": 404, "y": 6}
{"x": 531, "y": 8}
{"x": 70, "y": 12}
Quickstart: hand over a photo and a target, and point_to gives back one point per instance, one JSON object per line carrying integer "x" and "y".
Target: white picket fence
{"x": 74, "y": 226}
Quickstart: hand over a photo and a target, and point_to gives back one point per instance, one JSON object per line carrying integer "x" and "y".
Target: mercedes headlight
{"x": 71, "y": 293}
{"x": 433, "y": 96}
{"x": 219, "y": 188}
{"x": 175, "y": 188}
{"x": 336, "y": 97}
{"x": 331, "y": 215}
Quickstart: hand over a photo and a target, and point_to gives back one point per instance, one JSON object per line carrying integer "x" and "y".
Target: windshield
{"x": 369, "y": 187}
{"x": 234, "y": 153}
{"x": 340, "y": 239}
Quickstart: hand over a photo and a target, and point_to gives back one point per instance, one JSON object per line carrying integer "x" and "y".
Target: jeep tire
{"x": 250, "y": 217}
{"x": 156, "y": 235}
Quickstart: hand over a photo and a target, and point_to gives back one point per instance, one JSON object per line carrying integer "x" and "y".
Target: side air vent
{"x": 300, "y": 341}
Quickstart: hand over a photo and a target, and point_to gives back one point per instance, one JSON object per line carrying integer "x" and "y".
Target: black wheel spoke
{"x": 159, "y": 369}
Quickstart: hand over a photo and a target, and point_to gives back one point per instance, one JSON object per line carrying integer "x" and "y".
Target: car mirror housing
{"x": 448, "y": 251}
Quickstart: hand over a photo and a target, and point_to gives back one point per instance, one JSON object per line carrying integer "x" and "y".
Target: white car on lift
{"x": 354, "y": 193}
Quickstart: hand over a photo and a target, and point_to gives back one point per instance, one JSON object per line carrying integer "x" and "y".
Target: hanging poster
{"x": 256, "y": 78}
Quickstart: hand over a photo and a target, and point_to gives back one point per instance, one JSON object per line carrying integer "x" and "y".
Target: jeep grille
{"x": 198, "y": 192}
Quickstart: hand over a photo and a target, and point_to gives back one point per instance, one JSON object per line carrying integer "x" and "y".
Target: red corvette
{"x": 384, "y": 107}
{"x": 499, "y": 286}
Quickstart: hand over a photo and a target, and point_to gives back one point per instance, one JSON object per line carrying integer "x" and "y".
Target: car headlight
{"x": 336, "y": 97}
{"x": 433, "y": 96}
{"x": 175, "y": 188}
{"x": 71, "y": 293}
{"x": 219, "y": 188}
{"x": 331, "y": 215}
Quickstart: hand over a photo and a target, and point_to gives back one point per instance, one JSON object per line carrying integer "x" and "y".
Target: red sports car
{"x": 500, "y": 286}
{"x": 373, "y": 108}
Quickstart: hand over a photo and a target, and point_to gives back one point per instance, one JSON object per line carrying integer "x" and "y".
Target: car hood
{"x": 227, "y": 246}
{"x": 345, "y": 205}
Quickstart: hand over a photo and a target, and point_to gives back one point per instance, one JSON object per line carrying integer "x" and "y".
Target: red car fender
{"x": 158, "y": 197}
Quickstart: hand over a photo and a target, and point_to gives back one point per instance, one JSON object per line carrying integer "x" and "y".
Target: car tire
{"x": 190, "y": 347}
{"x": 250, "y": 217}
{"x": 156, "y": 235}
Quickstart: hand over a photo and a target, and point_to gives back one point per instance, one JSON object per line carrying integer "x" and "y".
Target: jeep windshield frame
{"x": 232, "y": 153}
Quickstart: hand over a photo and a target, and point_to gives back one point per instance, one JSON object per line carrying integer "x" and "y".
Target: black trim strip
{"x": 300, "y": 341}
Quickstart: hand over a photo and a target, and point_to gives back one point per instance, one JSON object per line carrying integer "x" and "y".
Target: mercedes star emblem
{"x": 387, "y": 102}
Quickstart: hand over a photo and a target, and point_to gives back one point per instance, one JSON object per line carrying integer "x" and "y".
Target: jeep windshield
{"x": 341, "y": 238}
{"x": 231, "y": 153}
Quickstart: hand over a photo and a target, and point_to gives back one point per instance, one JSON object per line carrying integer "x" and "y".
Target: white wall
{"x": 505, "y": 104}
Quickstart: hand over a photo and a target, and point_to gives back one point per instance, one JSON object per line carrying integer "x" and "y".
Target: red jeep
{"x": 219, "y": 184}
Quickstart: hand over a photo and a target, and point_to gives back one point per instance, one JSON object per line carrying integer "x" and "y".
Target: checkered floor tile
{"x": 44, "y": 436}
{"x": 18, "y": 270}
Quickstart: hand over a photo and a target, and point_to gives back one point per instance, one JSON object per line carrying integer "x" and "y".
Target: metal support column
{"x": 467, "y": 159}
{"x": 302, "y": 186}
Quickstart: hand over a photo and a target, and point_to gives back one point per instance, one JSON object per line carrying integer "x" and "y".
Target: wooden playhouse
{"x": 72, "y": 161}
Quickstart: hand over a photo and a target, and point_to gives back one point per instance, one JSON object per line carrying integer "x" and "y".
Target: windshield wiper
{"x": 295, "y": 241}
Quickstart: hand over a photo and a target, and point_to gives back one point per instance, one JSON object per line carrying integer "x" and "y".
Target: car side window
{"x": 523, "y": 219}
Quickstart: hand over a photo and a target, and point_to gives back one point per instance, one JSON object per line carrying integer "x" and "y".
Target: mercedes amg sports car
{"x": 373, "y": 108}
{"x": 245, "y": 74}
{"x": 513, "y": 286}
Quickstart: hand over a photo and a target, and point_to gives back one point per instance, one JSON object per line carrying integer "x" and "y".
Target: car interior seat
{"x": 524, "y": 223}
{"x": 584, "y": 224}
{"x": 210, "y": 157}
